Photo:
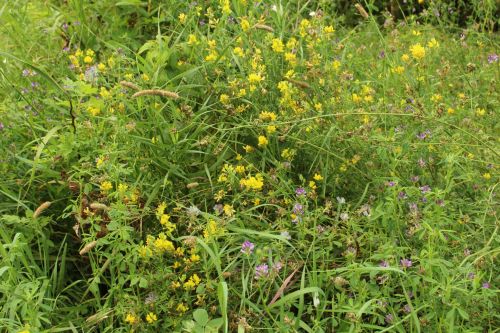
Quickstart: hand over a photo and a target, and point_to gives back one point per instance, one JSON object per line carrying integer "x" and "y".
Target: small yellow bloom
{"x": 131, "y": 319}
{"x": 101, "y": 67}
{"x": 263, "y": 141}
{"x": 318, "y": 177}
{"x": 238, "y": 51}
{"x": 480, "y": 112}
{"x": 433, "y": 43}
{"x": 277, "y": 45}
{"x": 106, "y": 186}
{"x": 151, "y": 317}
{"x": 181, "y": 308}
{"x": 224, "y": 99}
{"x": 245, "y": 25}
{"x": 405, "y": 57}
{"x": 182, "y": 18}
{"x": 450, "y": 111}
{"x": 192, "y": 40}
{"x": 88, "y": 59}
{"x": 487, "y": 176}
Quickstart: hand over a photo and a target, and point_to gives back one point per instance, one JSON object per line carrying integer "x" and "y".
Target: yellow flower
{"x": 405, "y": 57}
{"x": 88, "y": 59}
{"x": 436, "y": 98}
{"x": 417, "y": 51}
{"x": 254, "y": 78}
{"x": 263, "y": 141}
{"x": 312, "y": 185}
{"x": 318, "y": 177}
{"x": 398, "y": 70}
{"x": 181, "y": 308}
{"x": 487, "y": 176}
{"x": 212, "y": 56}
{"x": 122, "y": 188}
{"x": 182, "y": 18}
{"x": 270, "y": 129}
{"x": 450, "y": 111}
{"x": 480, "y": 112}
{"x": 265, "y": 115}
{"x": 106, "y": 186}
{"x": 228, "y": 210}
{"x": 151, "y": 317}
{"x": 213, "y": 230}
{"x": 162, "y": 245}
{"x": 195, "y": 258}
{"x": 253, "y": 183}
{"x": 245, "y": 25}
{"x": 277, "y": 45}
{"x": 192, "y": 40}
{"x": 105, "y": 93}
{"x": 94, "y": 110}
{"x": 328, "y": 29}
{"x": 248, "y": 149}
{"x": 224, "y": 99}
{"x": 433, "y": 43}
{"x": 131, "y": 319}
{"x": 225, "y": 6}
{"x": 101, "y": 67}
{"x": 238, "y": 51}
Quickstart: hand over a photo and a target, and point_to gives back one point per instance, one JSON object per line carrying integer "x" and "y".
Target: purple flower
{"x": 466, "y": 252}
{"x": 406, "y": 263}
{"x": 300, "y": 191}
{"x": 384, "y": 263}
{"x": 247, "y": 247}
{"x": 26, "y": 72}
{"x": 492, "y": 58}
{"x": 440, "y": 202}
{"x": 382, "y": 54}
{"x": 407, "y": 308}
{"x": 421, "y": 162}
{"x": 471, "y": 276}
{"x": 298, "y": 209}
{"x": 402, "y": 195}
{"x": 486, "y": 285}
{"x": 65, "y": 26}
{"x": 261, "y": 271}
{"x": 391, "y": 183}
{"x": 425, "y": 189}
{"x": 320, "y": 229}
{"x": 414, "y": 178}
{"x": 389, "y": 318}
{"x": 277, "y": 266}
{"x": 424, "y": 134}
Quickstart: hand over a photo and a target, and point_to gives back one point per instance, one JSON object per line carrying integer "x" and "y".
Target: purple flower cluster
{"x": 406, "y": 263}
{"x": 261, "y": 271}
{"x": 300, "y": 191}
{"x": 247, "y": 247}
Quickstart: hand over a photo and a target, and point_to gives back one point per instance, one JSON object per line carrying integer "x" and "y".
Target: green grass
{"x": 291, "y": 178}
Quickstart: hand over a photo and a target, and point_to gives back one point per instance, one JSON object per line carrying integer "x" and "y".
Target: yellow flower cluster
{"x": 192, "y": 283}
{"x": 417, "y": 51}
{"x": 253, "y": 183}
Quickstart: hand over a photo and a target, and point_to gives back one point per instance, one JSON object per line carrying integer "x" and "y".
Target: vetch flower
{"x": 300, "y": 191}
{"x": 261, "y": 271}
{"x": 406, "y": 263}
{"x": 247, "y": 247}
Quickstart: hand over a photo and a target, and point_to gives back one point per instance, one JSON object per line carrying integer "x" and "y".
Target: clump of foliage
{"x": 223, "y": 166}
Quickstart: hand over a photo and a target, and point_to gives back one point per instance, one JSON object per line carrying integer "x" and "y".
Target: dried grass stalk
{"x": 263, "y": 27}
{"x": 41, "y": 208}
{"x": 156, "y": 92}
{"x": 88, "y": 247}
{"x": 98, "y": 206}
{"x": 129, "y": 85}
{"x": 361, "y": 11}
{"x": 301, "y": 84}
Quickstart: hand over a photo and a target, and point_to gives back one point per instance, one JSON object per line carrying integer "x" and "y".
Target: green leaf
{"x": 201, "y": 316}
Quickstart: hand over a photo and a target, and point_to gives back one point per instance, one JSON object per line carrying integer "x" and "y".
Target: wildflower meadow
{"x": 249, "y": 166}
